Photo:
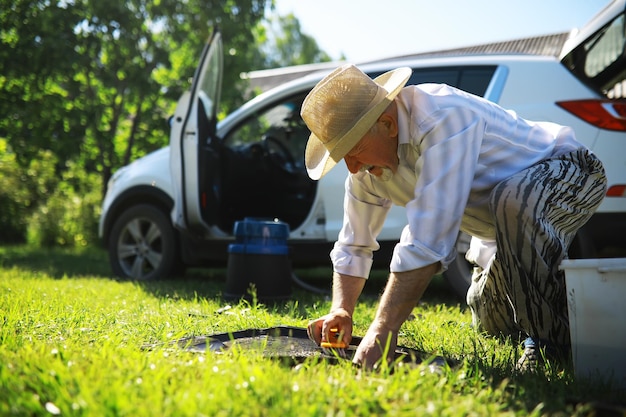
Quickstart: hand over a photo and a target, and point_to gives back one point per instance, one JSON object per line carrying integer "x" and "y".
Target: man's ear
{"x": 390, "y": 123}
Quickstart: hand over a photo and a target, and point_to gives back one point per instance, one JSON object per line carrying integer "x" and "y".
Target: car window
{"x": 600, "y": 61}
{"x": 280, "y": 123}
{"x": 605, "y": 47}
{"x": 473, "y": 79}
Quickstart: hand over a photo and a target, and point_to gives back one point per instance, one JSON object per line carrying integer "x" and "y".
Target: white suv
{"x": 176, "y": 207}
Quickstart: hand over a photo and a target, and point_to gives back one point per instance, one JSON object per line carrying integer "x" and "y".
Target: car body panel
{"x": 143, "y": 172}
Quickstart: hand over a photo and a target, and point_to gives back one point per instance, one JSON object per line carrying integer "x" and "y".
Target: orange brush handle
{"x": 334, "y": 341}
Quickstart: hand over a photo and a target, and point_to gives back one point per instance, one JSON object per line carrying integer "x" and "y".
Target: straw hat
{"x": 341, "y": 109}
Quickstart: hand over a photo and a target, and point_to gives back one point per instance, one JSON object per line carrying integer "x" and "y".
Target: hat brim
{"x": 319, "y": 160}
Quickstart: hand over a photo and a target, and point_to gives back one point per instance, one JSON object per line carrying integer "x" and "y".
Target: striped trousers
{"x": 537, "y": 212}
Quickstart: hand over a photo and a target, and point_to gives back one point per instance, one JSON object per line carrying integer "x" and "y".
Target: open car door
{"x": 596, "y": 55}
{"x": 194, "y": 149}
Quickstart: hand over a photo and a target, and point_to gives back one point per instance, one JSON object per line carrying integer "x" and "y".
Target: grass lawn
{"x": 71, "y": 341}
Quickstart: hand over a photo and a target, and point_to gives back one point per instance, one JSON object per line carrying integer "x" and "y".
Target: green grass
{"x": 71, "y": 341}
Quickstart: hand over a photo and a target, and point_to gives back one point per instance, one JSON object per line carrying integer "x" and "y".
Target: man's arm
{"x": 346, "y": 291}
{"x": 403, "y": 291}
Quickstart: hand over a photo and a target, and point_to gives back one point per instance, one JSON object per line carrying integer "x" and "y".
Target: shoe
{"x": 529, "y": 361}
{"x": 536, "y": 352}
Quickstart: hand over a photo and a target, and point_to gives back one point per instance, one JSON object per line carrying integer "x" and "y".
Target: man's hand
{"x": 375, "y": 344}
{"x": 318, "y": 330}
{"x": 402, "y": 292}
{"x": 346, "y": 290}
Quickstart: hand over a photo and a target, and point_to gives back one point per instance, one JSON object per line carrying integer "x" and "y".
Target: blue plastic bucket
{"x": 267, "y": 233}
{"x": 260, "y": 258}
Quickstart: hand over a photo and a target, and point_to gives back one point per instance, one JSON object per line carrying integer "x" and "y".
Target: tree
{"x": 94, "y": 81}
{"x": 90, "y": 84}
{"x": 37, "y": 61}
{"x": 286, "y": 45}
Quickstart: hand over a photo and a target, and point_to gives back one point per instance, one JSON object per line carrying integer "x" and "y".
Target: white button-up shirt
{"x": 453, "y": 149}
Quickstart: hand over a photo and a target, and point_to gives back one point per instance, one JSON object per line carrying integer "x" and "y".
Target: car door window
{"x": 263, "y": 171}
{"x": 278, "y": 128}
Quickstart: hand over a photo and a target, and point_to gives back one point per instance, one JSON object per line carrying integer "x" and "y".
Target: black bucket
{"x": 260, "y": 258}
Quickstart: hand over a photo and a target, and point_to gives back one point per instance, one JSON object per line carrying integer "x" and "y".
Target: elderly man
{"x": 456, "y": 162}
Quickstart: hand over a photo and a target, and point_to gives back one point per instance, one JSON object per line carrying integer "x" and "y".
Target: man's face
{"x": 376, "y": 153}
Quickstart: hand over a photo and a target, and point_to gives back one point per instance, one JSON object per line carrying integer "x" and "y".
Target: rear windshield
{"x": 600, "y": 61}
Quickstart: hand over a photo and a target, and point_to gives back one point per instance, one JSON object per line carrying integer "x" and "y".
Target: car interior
{"x": 262, "y": 168}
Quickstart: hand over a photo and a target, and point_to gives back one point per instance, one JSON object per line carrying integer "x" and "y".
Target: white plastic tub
{"x": 596, "y": 299}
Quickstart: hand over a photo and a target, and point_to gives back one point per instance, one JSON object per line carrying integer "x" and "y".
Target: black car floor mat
{"x": 293, "y": 344}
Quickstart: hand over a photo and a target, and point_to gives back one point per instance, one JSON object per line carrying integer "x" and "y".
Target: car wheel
{"x": 459, "y": 272}
{"x": 142, "y": 244}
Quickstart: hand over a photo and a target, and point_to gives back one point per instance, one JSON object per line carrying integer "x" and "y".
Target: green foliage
{"x": 38, "y": 206}
{"x": 69, "y": 216}
{"x": 22, "y": 189}
{"x": 13, "y": 199}
{"x": 73, "y": 344}
{"x": 38, "y": 91}
{"x": 93, "y": 82}
{"x": 286, "y": 44}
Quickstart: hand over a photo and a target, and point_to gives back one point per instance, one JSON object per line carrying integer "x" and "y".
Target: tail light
{"x": 604, "y": 114}
{"x": 618, "y": 190}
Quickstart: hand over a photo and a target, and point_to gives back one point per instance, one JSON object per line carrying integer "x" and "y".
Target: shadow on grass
{"x": 56, "y": 262}
{"x": 439, "y": 291}
{"x": 92, "y": 262}
{"x": 553, "y": 390}
{"x": 197, "y": 282}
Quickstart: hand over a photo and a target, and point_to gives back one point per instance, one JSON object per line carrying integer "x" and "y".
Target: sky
{"x": 365, "y": 30}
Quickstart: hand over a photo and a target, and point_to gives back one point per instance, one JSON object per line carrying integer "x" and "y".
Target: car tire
{"x": 143, "y": 244}
{"x": 459, "y": 272}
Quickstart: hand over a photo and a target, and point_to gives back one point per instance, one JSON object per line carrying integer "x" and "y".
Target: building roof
{"x": 550, "y": 45}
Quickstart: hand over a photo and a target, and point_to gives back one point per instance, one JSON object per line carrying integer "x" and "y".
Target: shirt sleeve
{"x": 363, "y": 219}
{"x": 449, "y": 149}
